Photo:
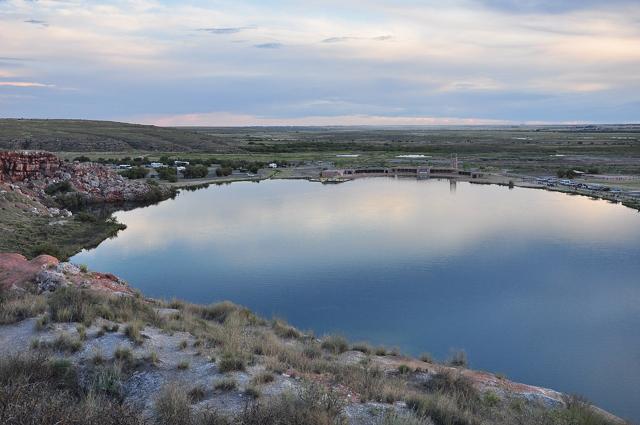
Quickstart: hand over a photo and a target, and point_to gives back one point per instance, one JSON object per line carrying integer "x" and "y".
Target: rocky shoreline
{"x": 49, "y": 204}
{"x": 176, "y": 340}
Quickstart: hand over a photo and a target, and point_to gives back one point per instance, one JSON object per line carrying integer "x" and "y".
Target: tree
{"x": 223, "y": 171}
{"x": 195, "y": 171}
{"x": 135, "y": 173}
{"x": 168, "y": 173}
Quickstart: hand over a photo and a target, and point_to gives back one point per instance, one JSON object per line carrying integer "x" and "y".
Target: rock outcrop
{"x": 46, "y": 274}
{"x": 21, "y": 166}
{"x": 94, "y": 182}
{"x": 102, "y": 184}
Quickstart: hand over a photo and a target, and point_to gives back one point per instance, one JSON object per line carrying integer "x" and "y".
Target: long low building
{"x": 421, "y": 172}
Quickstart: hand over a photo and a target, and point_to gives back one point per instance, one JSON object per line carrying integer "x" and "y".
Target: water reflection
{"x": 538, "y": 285}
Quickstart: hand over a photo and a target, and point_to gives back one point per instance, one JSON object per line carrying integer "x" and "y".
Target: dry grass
{"x": 263, "y": 378}
{"x": 35, "y": 390}
{"x": 226, "y": 385}
{"x": 238, "y": 338}
{"x": 133, "y": 331}
{"x": 173, "y": 406}
{"x": 336, "y": 344}
{"x": 15, "y": 307}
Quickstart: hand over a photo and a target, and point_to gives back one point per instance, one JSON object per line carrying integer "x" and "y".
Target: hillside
{"x": 83, "y": 347}
{"x": 102, "y": 136}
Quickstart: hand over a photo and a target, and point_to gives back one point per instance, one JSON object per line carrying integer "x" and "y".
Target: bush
{"x": 60, "y": 187}
{"x": 230, "y": 363}
{"x": 168, "y": 173}
{"x": 86, "y": 217}
{"x": 403, "y": 369}
{"x": 224, "y": 171}
{"x": 195, "y": 171}
{"x": 335, "y": 343}
{"x": 72, "y": 305}
{"x": 135, "y": 173}
{"x": 108, "y": 380}
{"x": 47, "y": 248}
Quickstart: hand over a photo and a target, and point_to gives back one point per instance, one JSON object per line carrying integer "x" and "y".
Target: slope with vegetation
{"x": 102, "y": 136}
{"x": 77, "y": 353}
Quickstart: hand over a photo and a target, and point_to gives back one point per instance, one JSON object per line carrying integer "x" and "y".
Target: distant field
{"x": 526, "y": 149}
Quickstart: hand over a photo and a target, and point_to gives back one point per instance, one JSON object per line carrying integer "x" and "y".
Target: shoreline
{"x": 496, "y": 179}
{"x": 270, "y": 347}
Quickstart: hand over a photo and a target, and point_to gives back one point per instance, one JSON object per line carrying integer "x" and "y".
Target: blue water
{"x": 541, "y": 286}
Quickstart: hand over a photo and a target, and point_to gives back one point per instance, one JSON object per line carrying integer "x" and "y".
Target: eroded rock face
{"x": 20, "y": 166}
{"x": 48, "y": 274}
{"x": 95, "y": 182}
{"x": 17, "y": 272}
{"x": 102, "y": 184}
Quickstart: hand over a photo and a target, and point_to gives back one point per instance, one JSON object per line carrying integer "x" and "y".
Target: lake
{"x": 540, "y": 286}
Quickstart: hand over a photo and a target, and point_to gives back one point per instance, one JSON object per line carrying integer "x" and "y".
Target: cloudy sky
{"x": 320, "y": 62}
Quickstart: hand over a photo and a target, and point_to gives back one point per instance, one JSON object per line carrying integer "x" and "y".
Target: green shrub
{"x": 60, "y": 187}
{"x": 135, "y": 173}
{"x": 47, "y": 248}
{"x": 85, "y": 217}
{"x": 224, "y": 171}
{"x": 230, "y": 363}
{"x": 108, "y": 380}
{"x": 195, "y": 171}
{"x": 403, "y": 369}
{"x": 168, "y": 173}
{"x": 72, "y": 305}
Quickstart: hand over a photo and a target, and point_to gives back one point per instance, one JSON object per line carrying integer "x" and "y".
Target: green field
{"x": 612, "y": 149}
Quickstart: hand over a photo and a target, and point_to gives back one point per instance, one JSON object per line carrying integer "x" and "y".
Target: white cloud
{"x": 380, "y": 53}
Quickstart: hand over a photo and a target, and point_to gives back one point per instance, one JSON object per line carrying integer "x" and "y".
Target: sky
{"x": 322, "y": 62}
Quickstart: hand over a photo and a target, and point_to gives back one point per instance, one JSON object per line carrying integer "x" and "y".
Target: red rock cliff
{"x": 20, "y": 166}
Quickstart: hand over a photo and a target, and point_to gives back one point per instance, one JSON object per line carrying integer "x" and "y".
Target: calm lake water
{"x": 541, "y": 286}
